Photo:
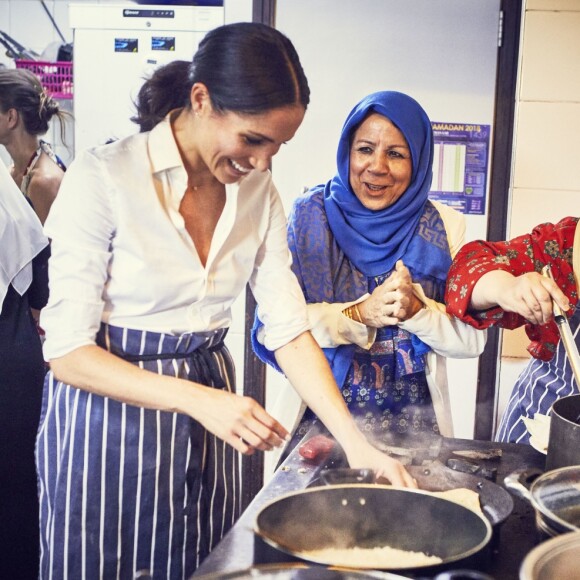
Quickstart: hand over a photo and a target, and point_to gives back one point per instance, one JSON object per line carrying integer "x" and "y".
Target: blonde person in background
{"x": 25, "y": 113}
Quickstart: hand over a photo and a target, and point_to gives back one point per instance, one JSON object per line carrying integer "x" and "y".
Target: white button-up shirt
{"x": 121, "y": 253}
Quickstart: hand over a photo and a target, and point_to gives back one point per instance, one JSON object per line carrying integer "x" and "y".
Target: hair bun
{"x": 48, "y": 106}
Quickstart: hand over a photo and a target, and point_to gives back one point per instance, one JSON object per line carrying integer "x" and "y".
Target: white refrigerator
{"x": 116, "y": 46}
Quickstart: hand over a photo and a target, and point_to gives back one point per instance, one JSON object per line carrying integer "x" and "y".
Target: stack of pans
{"x": 555, "y": 496}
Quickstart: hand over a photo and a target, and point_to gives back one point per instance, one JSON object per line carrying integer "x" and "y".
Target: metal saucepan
{"x": 564, "y": 438}
{"x": 555, "y": 495}
{"x": 369, "y": 516}
{"x": 554, "y": 559}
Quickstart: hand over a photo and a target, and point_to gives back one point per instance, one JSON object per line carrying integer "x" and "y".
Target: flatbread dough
{"x": 465, "y": 497}
{"x": 383, "y": 557}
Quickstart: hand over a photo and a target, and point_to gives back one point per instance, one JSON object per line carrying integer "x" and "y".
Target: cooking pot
{"x": 369, "y": 516}
{"x": 564, "y": 437}
{"x": 555, "y": 496}
{"x": 555, "y": 559}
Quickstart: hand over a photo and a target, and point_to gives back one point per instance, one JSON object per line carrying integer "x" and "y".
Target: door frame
{"x": 499, "y": 197}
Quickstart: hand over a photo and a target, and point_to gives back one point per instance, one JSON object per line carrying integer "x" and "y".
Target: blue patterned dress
{"x": 384, "y": 387}
{"x": 341, "y": 250}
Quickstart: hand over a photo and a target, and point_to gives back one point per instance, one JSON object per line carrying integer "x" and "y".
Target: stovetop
{"x": 488, "y": 460}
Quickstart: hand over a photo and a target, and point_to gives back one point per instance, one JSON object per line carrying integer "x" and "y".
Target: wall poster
{"x": 460, "y": 163}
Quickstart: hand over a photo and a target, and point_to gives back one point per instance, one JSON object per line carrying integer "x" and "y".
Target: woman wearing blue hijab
{"x": 371, "y": 253}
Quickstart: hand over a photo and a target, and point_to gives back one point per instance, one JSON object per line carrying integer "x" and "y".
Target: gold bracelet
{"x": 348, "y": 312}
{"x": 357, "y": 312}
{"x": 353, "y": 313}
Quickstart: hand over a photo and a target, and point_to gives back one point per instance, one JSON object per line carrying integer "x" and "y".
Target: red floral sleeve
{"x": 546, "y": 244}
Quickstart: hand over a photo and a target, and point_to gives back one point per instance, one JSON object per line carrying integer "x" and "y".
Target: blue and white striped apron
{"x": 539, "y": 385}
{"x": 123, "y": 488}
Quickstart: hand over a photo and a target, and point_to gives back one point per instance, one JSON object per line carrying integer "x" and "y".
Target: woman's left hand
{"x": 392, "y": 302}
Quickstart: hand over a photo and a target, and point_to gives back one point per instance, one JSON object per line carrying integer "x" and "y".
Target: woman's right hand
{"x": 238, "y": 420}
{"x": 529, "y": 295}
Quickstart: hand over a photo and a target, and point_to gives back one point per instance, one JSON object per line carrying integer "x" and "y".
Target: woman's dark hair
{"x": 247, "y": 68}
{"x": 21, "y": 89}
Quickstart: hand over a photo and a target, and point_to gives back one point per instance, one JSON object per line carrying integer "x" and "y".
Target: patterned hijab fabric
{"x": 374, "y": 240}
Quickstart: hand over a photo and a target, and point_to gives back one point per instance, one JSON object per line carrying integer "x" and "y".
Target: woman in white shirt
{"x": 153, "y": 238}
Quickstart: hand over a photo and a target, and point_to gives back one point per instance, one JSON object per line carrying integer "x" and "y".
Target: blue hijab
{"x": 375, "y": 239}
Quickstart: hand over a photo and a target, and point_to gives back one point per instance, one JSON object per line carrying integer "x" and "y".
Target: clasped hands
{"x": 392, "y": 302}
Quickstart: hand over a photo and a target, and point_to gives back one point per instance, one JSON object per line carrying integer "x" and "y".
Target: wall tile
{"x": 531, "y": 207}
{"x": 514, "y": 344}
{"x": 547, "y": 147}
{"x": 551, "y": 57}
{"x": 553, "y": 5}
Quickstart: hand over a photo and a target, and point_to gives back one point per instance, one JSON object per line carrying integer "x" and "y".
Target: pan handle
{"x": 463, "y": 575}
{"x": 519, "y": 482}
{"x": 346, "y": 475}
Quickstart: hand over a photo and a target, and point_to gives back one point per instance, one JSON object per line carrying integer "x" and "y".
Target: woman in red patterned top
{"x": 501, "y": 283}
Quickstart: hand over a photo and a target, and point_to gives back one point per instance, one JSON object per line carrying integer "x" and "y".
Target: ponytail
{"x": 167, "y": 89}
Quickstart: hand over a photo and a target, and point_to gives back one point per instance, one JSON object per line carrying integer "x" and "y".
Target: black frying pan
{"x": 496, "y": 502}
{"x": 369, "y": 516}
{"x": 301, "y": 571}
